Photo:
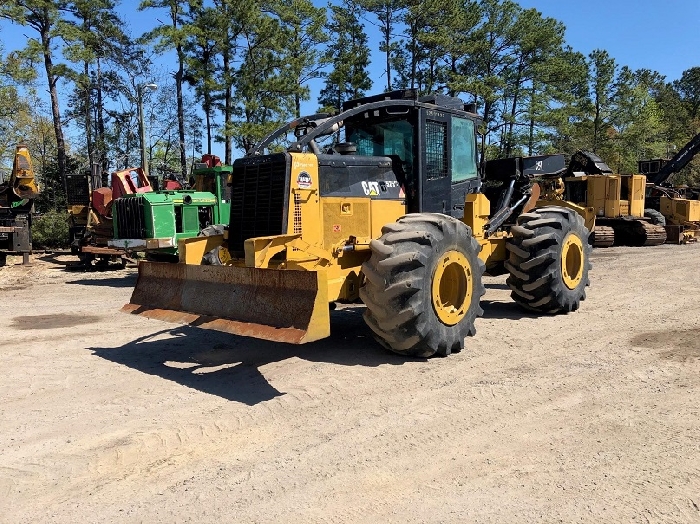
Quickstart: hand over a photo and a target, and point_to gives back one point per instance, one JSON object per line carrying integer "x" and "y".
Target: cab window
{"x": 463, "y": 150}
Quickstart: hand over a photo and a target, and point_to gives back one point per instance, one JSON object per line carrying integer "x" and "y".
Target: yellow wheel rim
{"x": 452, "y": 287}
{"x": 572, "y": 261}
{"x": 224, "y": 256}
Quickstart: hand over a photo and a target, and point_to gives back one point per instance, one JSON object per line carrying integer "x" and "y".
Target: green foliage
{"x": 50, "y": 230}
{"x": 302, "y": 30}
{"x": 688, "y": 88}
{"x": 249, "y": 66}
{"x": 53, "y": 192}
{"x": 348, "y": 54}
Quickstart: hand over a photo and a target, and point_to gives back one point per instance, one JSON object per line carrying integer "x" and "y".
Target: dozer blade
{"x": 278, "y": 305}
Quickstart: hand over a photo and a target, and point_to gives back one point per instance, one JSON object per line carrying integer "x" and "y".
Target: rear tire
{"x": 549, "y": 260}
{"x": 655, "y": 217}
{"x": 423, "y": 285}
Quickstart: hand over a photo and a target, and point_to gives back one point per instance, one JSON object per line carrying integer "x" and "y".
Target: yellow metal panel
{"x": 345, "y": 217}
{"x": 612, "y": 196}
{"x": 304, "y": 208}
{"x": 385, "y": 212}
{"x": 666, "y": 206}
{"x": 477, "y": 209}
{"x": 693, "y": 211}
{"x": 637, "y": 186}
{"x": 191, "y": 250}
{"x": 597, "y": 194}
{"x": 493, "y": 249}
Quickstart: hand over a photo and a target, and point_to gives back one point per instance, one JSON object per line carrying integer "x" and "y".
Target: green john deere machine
{"x": 155, "y": 222}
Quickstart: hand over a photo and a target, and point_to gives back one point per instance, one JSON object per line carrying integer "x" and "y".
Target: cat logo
{"x": 370, "y": 188}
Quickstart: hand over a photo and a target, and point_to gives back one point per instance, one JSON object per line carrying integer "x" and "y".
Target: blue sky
{"x": 659, "y": 35}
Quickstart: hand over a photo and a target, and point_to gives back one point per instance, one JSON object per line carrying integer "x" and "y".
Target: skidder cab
{"x": 391, "y": 215}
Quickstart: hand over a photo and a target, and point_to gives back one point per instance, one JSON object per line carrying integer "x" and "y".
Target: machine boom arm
{"x": 678, "y": 162}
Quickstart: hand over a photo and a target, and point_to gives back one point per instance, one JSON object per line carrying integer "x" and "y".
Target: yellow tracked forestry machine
{"x": 677, "y": 208}
{"x": 394, "y": 216}
{"x": 611, "y": 204}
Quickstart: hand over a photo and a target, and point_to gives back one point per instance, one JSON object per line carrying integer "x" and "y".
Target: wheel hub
{"x": 572, "y": 261}
{"x": 452, "y": 287}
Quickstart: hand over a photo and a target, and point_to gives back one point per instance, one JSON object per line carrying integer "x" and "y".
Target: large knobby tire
{"x": 655, "y": 217}
{"x": 549, "y": 260}
{"x": 423, "y": 285}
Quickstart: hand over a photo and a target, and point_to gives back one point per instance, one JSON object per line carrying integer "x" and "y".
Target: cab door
{"x": 435, "y": 162}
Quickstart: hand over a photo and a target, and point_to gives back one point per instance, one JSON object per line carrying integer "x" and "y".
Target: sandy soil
{"x": 589, "y": 417}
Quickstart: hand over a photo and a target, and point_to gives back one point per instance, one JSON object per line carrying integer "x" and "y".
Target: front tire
{"x": 549, "y": 260}
{"x": 423, "y": 285}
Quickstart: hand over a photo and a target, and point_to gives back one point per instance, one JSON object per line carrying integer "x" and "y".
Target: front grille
{"x": 259, "y": 198}
{"x": 129, "y": 213}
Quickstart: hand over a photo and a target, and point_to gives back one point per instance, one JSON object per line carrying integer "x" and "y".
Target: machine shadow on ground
{"x": 504, "y": 310}
{"x": 121, "y": 281}
{"x": 53, "y": 258}
{"x": 74, "y": 265}
{"x": 229, "y": 366}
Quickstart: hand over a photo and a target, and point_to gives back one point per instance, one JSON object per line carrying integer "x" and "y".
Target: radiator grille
{"x": 131, "y": 222}
{"x": 77, "y": 190}
{"x": 259, "y": 197}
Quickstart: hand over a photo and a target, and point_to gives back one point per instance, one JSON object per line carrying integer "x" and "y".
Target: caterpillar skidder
{"x": 393, "y": 216}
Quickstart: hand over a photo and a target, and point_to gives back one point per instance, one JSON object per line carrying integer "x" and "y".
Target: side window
{"x": 386, "y": 138}
{"x": 463, "y": 150}
{"x": 436, "y": 149}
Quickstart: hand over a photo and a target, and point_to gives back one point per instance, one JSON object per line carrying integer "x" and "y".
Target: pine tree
{"x": 348, "y": 55}
{"x": 261, "y": 88}
{"x": 44, "y": 17}
{"x": 602, "y": 69}
{"x": 302, "y": 28}
{"x": 201, "y": 49}
{"x": 174, "y": 37}
{"x": 92, "y": 36}
{"x": 388, "y": 14}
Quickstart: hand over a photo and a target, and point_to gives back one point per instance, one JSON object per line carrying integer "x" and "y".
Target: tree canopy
{"x": 235, "y": 70}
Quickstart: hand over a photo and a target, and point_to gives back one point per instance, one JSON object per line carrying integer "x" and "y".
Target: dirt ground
{"x": 589, "y": 417}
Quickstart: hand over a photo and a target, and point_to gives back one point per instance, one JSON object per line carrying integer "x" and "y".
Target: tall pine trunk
{"x": 52, "y": 81}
